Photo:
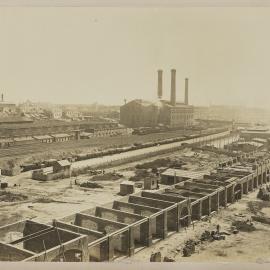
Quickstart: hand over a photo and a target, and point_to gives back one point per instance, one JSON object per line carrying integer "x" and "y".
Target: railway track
{"x": 37, "y": 147}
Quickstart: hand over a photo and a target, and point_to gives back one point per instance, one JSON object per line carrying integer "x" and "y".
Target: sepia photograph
{"x": 134, "y": 132}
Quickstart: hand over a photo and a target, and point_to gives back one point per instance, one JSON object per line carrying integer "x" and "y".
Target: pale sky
{"x": 86, "y": 55}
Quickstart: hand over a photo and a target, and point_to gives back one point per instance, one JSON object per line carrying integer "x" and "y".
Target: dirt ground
{"x": 58, "y": 198}
{"x": 242, "y": 247}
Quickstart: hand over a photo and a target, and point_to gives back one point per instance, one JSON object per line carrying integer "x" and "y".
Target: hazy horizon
{"x": 104, "y": 55}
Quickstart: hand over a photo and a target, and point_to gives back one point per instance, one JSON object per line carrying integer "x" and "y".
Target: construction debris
{"x": 6, "y": 196}
{"x": 264, "y": 220}
{"x": 106, "y": 177}
{"x": 206, "y": 236}
{"x": 189, "y": 248}
{"x": 214, "y": 235}
{"x": 264, "y": 194}
{"x": 168, "y": 259}
{"x": 89, "y": 184}
{"x": 155, "y": 257}
{"x": 243, "y": 225}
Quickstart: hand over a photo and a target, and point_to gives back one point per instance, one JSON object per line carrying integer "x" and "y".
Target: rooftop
{"x": 60, "y": 135}
{"x": 63, "y": 163}
{"x": 126, "y": 182}
{"x": 185, "y": 174}
{"x": 42, "y": 137}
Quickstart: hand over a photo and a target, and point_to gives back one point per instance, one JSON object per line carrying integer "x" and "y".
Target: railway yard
{"x": 96, "y": 223}
{"x": 35, "y": 151}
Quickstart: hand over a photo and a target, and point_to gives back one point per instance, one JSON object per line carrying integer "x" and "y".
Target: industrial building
{"x": 141, "y": 113}
{"x": 256, "y": 132}
{"x": 126, "y": 226}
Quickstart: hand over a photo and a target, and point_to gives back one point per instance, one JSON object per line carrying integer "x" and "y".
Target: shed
{"x": 44, "y": 138}
{"x": 150, "y": 183}
{"x": 3, "y": 182}
{"x": 61, "y": 137}
{"x": 61, "y": 165}
{"x": 127, "y": 187}
{"x": 6, "y": 142}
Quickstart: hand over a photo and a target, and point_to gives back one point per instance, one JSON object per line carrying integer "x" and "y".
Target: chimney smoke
{"x": 160, "y": 83}
{"x": 186, "y": 91}
{"x": 173, "y": 87}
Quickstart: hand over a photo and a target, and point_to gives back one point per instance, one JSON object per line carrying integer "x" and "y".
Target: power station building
{"x": 141, "y": 113}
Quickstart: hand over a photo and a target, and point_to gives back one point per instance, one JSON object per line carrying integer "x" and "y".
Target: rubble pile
{"x": 213, "y": 235}
{"x": 206, "y": 236}
{"x": 260, "y": 219}
{"x": 89, "y": 184}
{"x": 168, "y": 259}
{"x": 244, "y": 225}
{"x": 107, "y": 177}
{"x": 189, "y": 248}
{"x": 155, "y": 257}
{"x": 6, "y": 196}
{"x": 264, "y": 193}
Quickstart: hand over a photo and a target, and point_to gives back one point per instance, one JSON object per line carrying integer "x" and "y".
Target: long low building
{"x": 38, "y": 128}
{"x": 123, "y": 227}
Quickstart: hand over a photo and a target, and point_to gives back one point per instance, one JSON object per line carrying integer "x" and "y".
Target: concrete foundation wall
{"x": 11, "y": 253}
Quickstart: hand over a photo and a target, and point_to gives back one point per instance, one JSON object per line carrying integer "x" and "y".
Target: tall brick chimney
{"x": 160, "y": 83}
{"x": 186, "y": 91}
{"x": 173, "y": 87}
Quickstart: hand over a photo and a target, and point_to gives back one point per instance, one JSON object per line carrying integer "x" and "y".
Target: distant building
{"x": 29, "y": 107}
{"x": 150, "y": 183}
{"x": 6, "y": 108}
{"x": 60, "y": 169}
{"x": 55, "y": 113}
{"x": 141, "y": 113}
{"x": 127, "y": 187}
{"x": 44, "y": 138}
{"x": 61, "y": 137}
{"x": 180, "y": 115}
{"x": 251, "y": 133}
{"x": 106, "y": 132}
{"x": 72, "y": 114}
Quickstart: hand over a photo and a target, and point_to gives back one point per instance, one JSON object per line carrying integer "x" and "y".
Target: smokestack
{"x": 186, "y": 91}
{"x": 173, "y": 87}
{"x": 160, "y": 83}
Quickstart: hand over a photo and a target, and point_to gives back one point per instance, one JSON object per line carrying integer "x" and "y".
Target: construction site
{"x": 160, "y": 210}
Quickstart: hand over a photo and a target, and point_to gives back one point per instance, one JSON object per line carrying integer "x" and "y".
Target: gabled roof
{"x": 63, "y": 163}
{"x": 60, "y": 135}
{"x": 141, "y": 102}
{"x": 42, "y": 137}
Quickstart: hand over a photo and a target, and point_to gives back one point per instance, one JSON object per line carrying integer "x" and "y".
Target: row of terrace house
{"x": 125, "y": 226}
